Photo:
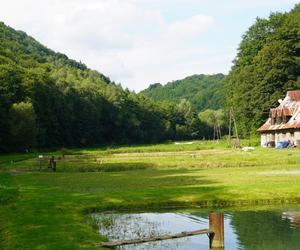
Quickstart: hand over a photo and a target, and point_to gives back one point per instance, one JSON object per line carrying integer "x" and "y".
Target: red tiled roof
{"x": 267, "y": 126}
{"x": 289, "y": 107}
{"x": 294, "y": 95}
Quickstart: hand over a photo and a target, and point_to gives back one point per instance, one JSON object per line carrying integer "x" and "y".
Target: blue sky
{"x": 139, "y": 42}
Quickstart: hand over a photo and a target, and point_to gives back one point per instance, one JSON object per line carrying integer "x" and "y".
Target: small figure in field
{"x": 237, "y": 143}
{"x": 52, "y": 163}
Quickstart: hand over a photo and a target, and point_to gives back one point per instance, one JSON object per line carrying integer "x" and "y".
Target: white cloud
{"x": 192, "y": 26}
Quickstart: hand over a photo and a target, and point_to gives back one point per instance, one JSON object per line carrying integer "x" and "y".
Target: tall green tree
{"x": 189, "y": 126}
{"x": 22, "y": 126}
{"x": 215, "y": 120}
{"x": 266, "y": 66}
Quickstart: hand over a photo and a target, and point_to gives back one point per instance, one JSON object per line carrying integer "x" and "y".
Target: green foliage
{"x": 190, "y": 126}
{"x": 267, "y": 65}
{"x": 214, "y": 120}
{"x": 71, "y": 104}
{"x": 192, "y": 94}
{"x": 22, "y": 125}
{"x": 203, "y": 91}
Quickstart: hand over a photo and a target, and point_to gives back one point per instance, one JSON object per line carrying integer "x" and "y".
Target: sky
{"x": 140, "y": 42}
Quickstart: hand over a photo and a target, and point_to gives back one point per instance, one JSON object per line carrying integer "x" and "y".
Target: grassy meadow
{"x": 40, "y": 209}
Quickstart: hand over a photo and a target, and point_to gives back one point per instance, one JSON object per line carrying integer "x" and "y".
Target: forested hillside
{"x": 203, "y": 91}
{"x": 266, "y": 66}
{"x": 48, "y": 100}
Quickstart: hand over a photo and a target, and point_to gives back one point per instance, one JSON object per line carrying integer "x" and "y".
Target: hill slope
{"x": 203, "y": 91}
{"x": 49, "y": 100}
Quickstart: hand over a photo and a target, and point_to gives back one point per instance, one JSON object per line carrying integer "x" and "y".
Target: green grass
{"x": 46, "y": 210}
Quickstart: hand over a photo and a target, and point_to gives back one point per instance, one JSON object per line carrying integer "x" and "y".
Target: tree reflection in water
{"x": 267, "y": 230}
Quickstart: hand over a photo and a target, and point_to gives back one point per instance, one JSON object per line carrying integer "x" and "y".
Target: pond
{"x": 265, "y": 230}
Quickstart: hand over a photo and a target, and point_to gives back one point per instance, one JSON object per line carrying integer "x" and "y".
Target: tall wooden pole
{"x": 235, "y": 126}
{"x": 229, "y": 134}
{"x": 216, "y": 225}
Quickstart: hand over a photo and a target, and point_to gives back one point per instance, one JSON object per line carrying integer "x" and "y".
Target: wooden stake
{"x": 229, "y": 135}
{"x": 216, "y": 225}
{"x": 235, "y": 127}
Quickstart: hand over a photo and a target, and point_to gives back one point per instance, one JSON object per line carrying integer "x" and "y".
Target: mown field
{"x": 41, "y": 209}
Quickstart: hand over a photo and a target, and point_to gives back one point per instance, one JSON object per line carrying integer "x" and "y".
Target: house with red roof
{"x": 283, "y": 123}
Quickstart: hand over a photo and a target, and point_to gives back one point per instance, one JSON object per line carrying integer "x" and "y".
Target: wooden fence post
{"x": 216, "y": 225}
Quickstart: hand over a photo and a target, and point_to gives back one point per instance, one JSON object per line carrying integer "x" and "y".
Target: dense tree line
{"x": 266, "y": 66}
{"x": 48, "y": 100}
{"x": 203, "y": 91}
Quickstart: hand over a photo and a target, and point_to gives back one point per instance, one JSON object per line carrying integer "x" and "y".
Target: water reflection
{"x": 293, "y": 216}
{"x": 242, "y": 230}
{"x": 266, "y": 230}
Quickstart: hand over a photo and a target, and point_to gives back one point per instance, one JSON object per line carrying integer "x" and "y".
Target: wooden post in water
{"x": 216, "y": 225}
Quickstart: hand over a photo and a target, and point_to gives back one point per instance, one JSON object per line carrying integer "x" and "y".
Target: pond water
{"x": 265, "y": 230}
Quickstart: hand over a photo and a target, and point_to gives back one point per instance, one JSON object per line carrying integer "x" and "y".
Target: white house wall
{"x": 278, "y": 136}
